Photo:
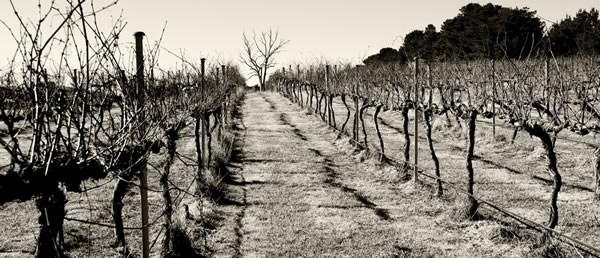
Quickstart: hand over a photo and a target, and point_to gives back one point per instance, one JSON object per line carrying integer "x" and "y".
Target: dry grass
{"x": 319, "y": 197}
{"x": 513, "y": 175}
{"x": 86, "y": 240}
{"x": 288, "y": 196}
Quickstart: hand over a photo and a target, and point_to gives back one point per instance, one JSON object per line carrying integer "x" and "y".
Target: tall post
{"x": 327, "y": 96}
{"x": 152, "y": 75}
{"x": 202, "y": 63}
{"x": 217, "y": 77}
{"x": 75, "y": 78}
{"x": 285, "y": 88}
{"x": 141, "y": 91}
{"x": 260, "y": 80}
{"x": 355, "y": 98}
{"x": 293, "y": 93}
{"x": 223, "y": 74}
{"x": 494, "y": 99}
{"x": 202, "y": 118}
{"x": 224, "y": 109}
{"x": 416, "y": 107}
{"x": 430, "y": 85}
{"x": 547, "y": 82}
{"x": 327, "y": 77}
{"x": 300, "y": 85}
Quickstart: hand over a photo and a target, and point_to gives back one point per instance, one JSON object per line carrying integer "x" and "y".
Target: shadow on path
{"x": 284, "y": 119}
{"x": 331, "y": 180}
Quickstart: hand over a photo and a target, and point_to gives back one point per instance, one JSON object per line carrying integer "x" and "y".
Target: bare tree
{"x": 259, "y": 52}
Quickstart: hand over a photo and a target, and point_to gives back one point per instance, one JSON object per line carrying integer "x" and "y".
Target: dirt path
{"x": 300, "y": 192}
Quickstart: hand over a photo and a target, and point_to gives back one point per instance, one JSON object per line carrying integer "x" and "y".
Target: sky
{"x": 317, "y": 30}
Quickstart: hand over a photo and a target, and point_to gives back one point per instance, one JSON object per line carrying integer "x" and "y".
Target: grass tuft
{"x": 181, "y": 244}
{"x": 552, "y": 250}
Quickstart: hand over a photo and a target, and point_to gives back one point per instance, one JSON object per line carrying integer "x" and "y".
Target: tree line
{"x": 493, "y": 31}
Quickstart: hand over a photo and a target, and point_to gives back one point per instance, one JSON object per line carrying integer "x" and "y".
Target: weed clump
{"x": 181, "y": 244}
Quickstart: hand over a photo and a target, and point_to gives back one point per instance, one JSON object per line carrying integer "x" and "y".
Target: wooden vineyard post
{"x": 583, "y": 101}
{"x": 217, "y": 84}
{"x": 292, "y": 85}
{"x": 141, "y": 91}
{"x": 202, "y": 117}
{"x": 356, "y": 99}
{"x": 547, "y": 82}
{"x": 416, "y": 107}
{"x": 198, "y": 117}
{"x": 494, "y": 100}
{"x": 285, "y": 88}
{"x": 217, "y": 75}
{"x": 202, "y": 63}
{"x": 299, "y": 85}
{"x": 430, "y": 85}
{"x": 327, "y": 92}
{"x": 224, "y": 105}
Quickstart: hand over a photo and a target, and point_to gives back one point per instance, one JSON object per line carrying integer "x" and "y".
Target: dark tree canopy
{"x": 385, "y": 55}
{"x": 577, "y": 35}
{"x": 480, "y": 31}
{"x": 422, "y": 44}
{"x": 413, "y": 43}
{"x": 491, "y": 31}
